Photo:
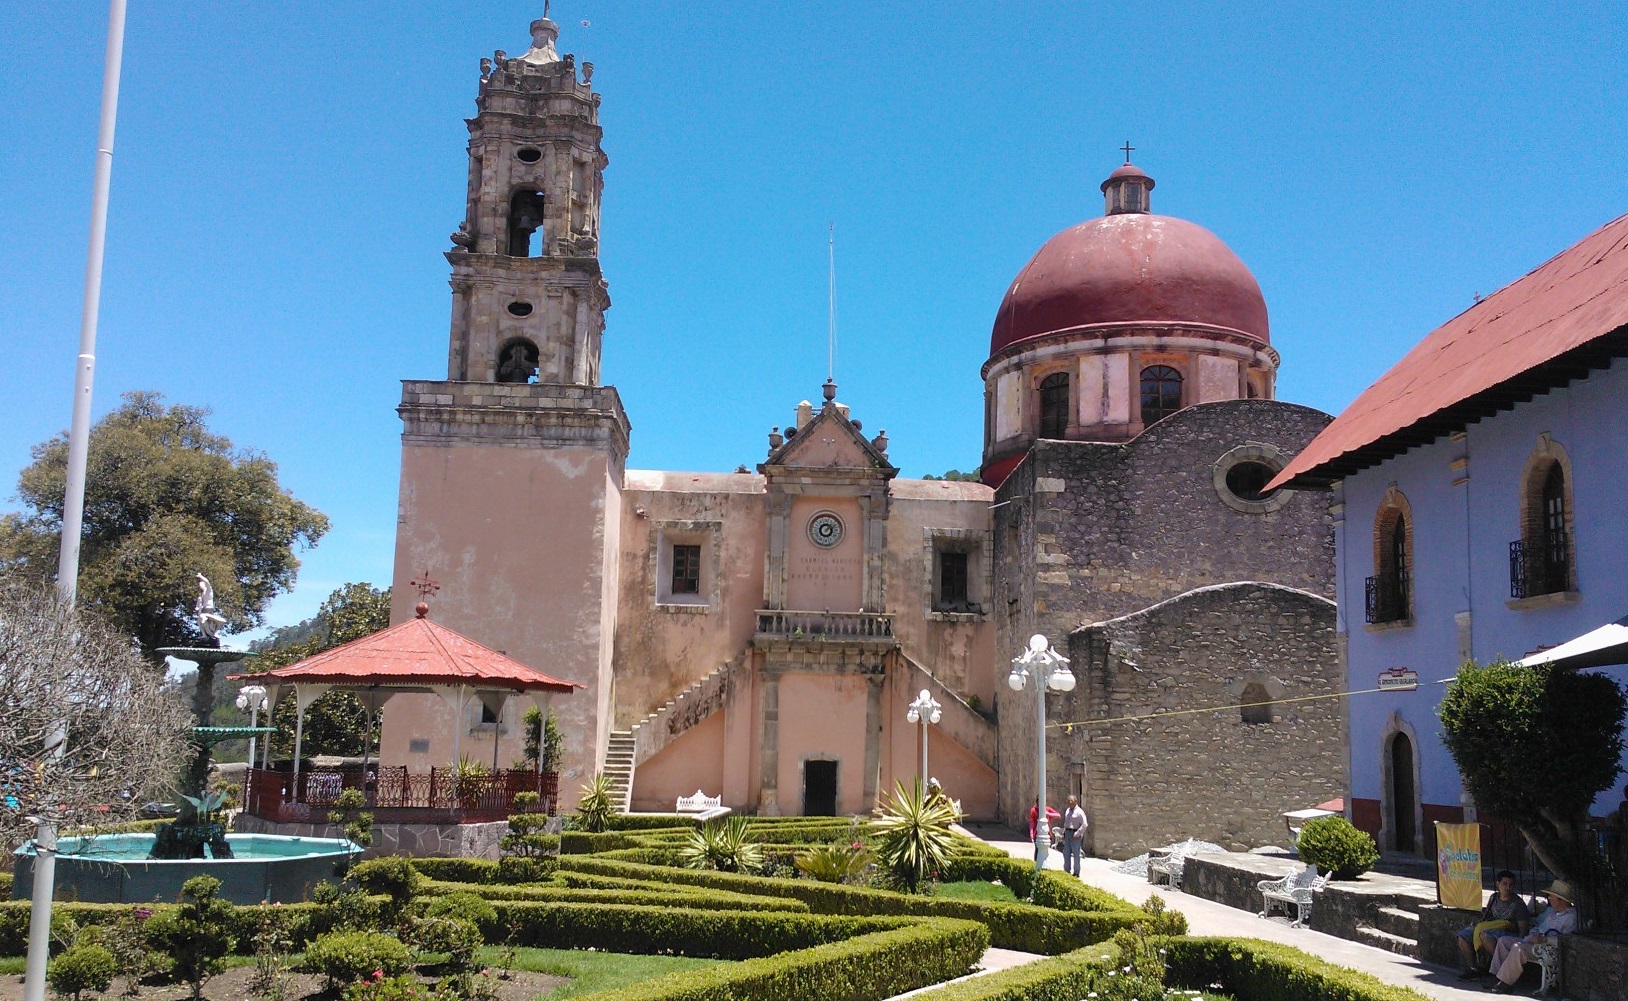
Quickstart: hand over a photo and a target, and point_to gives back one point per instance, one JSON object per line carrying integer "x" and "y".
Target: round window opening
{"x": 1247, "y": 481}
{"x": 825, "y": 530}
{"x": 529, "y": 154}
{"x": 520, "y": 308}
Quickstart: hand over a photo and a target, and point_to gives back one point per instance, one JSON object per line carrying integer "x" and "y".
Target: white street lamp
{"x": 1048, "y": 669}
{"x": 252, "y": 698}
{"x": 925, "y": 710}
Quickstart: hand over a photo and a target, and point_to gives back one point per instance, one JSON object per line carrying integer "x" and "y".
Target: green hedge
{"x": 877, "y": 965}
{"x": 509, "y": 871}
{"x": 589, "y": 843}
{"x": 651, "y": 895}
{"x": 14, "y": 920}
{"x": 651, "y": 821}
{"x": 1061, "y": 978}
{"x": 5, "y": 884}
{"x": 1266, "y": 971}
{"x": 1011, "y": 926}
{"x": 683, "y": 931}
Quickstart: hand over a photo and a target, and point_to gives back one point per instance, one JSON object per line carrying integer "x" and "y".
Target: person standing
{"x": 1074, "y": 825}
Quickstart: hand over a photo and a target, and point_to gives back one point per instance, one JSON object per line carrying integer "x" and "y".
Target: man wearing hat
{"x": 1513, "y": 951}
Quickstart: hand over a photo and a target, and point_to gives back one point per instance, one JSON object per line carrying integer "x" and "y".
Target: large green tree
{"x": 1536, "y": 745}
{"x": 165, "y": 499}
{"x": 336, "y": 723}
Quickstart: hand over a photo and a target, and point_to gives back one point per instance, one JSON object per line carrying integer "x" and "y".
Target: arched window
{"x": 1054, "y": 405}
{"x": 1161, "y": 393}
{"x": 1389, "y": 590}
{"x": 1255, "y": 705}
{"x": 517, "y": 361}
{"x": 1541, "y": 563}
{"x": 526, "y": 224}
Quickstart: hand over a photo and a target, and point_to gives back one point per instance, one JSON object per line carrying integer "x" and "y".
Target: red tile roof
{"x": 412, "y": 653}
{"x": 1552, "y": 326}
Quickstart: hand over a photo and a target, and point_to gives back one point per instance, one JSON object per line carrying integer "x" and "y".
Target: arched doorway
{"x": 1404, "y": 833}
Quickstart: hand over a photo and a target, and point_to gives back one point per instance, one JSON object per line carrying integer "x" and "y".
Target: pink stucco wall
{"x": 519, "y": 540}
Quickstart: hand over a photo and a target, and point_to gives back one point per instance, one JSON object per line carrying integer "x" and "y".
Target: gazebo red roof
{"x": 414, "y": 653}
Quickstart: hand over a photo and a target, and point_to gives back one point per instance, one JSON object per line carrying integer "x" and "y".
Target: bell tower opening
{"x": 526, "y": 224}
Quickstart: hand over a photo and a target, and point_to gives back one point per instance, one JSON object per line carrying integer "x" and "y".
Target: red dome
{"x": 1130, "y": 268}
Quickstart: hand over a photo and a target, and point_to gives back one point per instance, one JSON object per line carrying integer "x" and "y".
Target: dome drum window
{"x": 1054, "y": 400}
{"x": 1161, "y": 393}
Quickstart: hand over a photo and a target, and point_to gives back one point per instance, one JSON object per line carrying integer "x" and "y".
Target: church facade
{"x": 761, "y": 635}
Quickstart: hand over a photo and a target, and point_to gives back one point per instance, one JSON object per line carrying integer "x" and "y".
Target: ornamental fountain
{"x": 141, "y": 867}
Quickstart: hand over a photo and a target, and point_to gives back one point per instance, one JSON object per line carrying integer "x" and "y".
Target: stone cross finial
{"x": 1127, "y": 149}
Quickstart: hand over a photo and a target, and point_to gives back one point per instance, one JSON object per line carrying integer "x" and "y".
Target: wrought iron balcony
{"x": 825, "y": 625}
{"x": 1387, "y": 597}
{"x": 1539, "y": 567}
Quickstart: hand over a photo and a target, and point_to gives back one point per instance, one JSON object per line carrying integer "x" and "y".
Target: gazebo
{"x": 414, "y": 656}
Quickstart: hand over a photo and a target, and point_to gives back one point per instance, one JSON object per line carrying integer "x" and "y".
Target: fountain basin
{"x": 114, "y": 868}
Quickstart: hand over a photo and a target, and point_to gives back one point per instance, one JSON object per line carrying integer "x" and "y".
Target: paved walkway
{"x": 1206, "y": 917}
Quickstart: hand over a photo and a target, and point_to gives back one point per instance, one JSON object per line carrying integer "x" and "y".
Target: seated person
{"x": 1515, "y": 951}
{"x": 1505, "y": 912}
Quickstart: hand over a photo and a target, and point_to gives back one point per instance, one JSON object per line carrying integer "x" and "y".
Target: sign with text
{"x": 1398, "y": 679}
{"x": 1458, "y": 865}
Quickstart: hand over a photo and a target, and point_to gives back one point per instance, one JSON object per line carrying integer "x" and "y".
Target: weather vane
{"x": 1128, "y": 149}
{"x": 426, "y": 585}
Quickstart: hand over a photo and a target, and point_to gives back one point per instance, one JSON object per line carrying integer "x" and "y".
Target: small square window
{"x": 686, "y": 569}
{"x": 418, "y": 745}
{"x": 486, "y": 714}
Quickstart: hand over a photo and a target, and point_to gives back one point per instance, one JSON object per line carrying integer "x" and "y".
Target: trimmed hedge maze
{"x": 789, "y": 938}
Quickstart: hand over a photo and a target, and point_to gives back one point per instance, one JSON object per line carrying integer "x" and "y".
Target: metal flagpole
{"x": 73, "y": 506}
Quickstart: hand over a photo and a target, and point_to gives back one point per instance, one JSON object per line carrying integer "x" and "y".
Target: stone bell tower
{"x": 528, "y": 299}
{"x": 511, "y": 469}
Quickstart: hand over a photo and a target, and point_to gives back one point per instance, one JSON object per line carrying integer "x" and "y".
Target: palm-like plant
{"x": 594, "y": 807}
{"x": 912, "y": 833}
{"x": 835, "y": 863}
{"x": 725, "y": 845}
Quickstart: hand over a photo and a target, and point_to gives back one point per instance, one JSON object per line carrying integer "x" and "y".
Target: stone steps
{"x": 619, "y": 768}
{"x": 1398, "y": 922}
{"x": 1385, "y": 940}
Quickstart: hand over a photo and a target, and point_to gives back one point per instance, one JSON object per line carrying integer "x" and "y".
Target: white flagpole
{"x": 73, "y": 507}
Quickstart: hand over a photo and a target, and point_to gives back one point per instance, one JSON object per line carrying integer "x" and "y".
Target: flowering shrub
{"x": 378, "y": 987}
{"x": 353, "y": 956}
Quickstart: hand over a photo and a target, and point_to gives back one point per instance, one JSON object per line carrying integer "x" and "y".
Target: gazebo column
{"x": 304, "y": 695}
{"x": 495, "y": 701}
{"x": 458, "y": 698}
{"x": 373, "y": 700}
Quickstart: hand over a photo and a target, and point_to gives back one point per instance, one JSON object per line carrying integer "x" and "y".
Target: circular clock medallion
{"x": 825, "y": 530}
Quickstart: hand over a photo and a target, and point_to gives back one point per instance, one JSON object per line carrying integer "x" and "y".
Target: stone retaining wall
{"x": 414, "y": 840}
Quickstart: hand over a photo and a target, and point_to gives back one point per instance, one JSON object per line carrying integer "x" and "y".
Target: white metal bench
{"x": 1297, "y": 889}
{"x": 1167, "y": 870}
{"x": 704, "y": 807}
{"x": 1547, "y": 955}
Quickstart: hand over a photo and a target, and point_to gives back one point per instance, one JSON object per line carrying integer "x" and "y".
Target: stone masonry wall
{"x": 1207, "y": 774}
{"x": 1086, "y": 531}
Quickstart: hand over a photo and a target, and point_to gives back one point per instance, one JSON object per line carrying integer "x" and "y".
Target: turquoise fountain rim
{"x": 320, "y": 848}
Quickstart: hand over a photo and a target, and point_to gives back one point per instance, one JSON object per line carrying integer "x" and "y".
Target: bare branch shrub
{"x": 88, "y": 731}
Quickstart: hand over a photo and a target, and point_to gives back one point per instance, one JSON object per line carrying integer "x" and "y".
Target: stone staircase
{"x": 1394, "y": 929}
{"x": 681, "y": 712}
{"x": 619, "y": 768}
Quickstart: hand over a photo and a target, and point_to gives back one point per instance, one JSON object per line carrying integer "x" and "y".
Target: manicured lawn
{"x": 977, "y": 890}
{"x": 12, "y": 966}
{"x": 593, "y": 971}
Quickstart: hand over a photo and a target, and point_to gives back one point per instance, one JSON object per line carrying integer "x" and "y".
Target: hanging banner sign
{"x": 1458, "y": 866}
{"x": 1398, "y": 679}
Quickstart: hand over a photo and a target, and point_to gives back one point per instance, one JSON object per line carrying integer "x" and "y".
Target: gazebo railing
{"x": 394, "y": 793}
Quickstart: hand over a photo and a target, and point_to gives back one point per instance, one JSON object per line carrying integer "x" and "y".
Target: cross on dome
{"x": 1127, "y": 149}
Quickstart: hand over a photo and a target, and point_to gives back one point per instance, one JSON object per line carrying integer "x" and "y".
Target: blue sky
{"x": 286, "y": 176}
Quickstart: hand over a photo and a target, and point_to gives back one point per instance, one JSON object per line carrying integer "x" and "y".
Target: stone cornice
{"x": 1104, "y": 338}
{"x": 515, "y": 415}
